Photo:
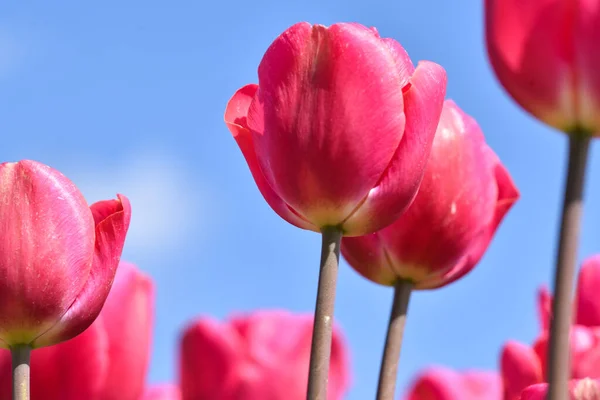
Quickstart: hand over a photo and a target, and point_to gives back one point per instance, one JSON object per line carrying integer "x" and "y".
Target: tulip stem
{"x": 566, "y": 262}
{"x": 388, "y": 371}
{"x": 20, "y": 368}
{"x": 320, "y": 351}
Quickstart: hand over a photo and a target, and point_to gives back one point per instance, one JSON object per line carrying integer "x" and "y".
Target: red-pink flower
{"x": 439, "y": 383}
{"x": 339, "y": 128}
{"x": 464, "y": 195}
{"x": 545, "y": 55}
{"x": 108, "y": 361}
{"x": 584, "y": 389}
{"x": 162, "y": 392}
{"x": 58, "y": 256}
{"x": 523, "y": 365}
{"x": 587, "y": 301}
{"x": 263, "y": 355}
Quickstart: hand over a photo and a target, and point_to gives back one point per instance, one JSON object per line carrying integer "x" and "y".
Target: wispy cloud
{"x": 167, "y": 200}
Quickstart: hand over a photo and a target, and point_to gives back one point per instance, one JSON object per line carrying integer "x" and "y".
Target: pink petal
{"x": 438, "y": 383}
{"x": 520, "y": 367}
{"x": 46, "y": 249}
{"x": 235, "y": 118}
{"x": 209, "y": 353}
{"x": 544, "y": 307}
{"x": 327, "y": 118}
{"x": 128, "y": 318}
{"x": 423, "y": 101}
{"x": 367, "y": 256}
{"x": 162, "y": 392}
{"x": 588, "y": 301}
{"x": 111, "y": 228}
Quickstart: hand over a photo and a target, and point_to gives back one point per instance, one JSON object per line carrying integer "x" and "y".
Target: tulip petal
{"x": 128, "y": 316}
{"x": 588, "y": 302}
{"x": 367, "y": 256}
{"x": 520, "y": 367}
{"x": 112, "y": 222}
{"x": 209, "y": 351}
{"x": 544, "y": 304}
{"x": 45, "y": 251}
{"x": 423, "y": 102}
{"x": 162, "y": 392}
{"x": 327, "y": 118}
{"x": 235, "y": 118}
{"x": 441, "y": 383}
{"x": 508, "y": 194}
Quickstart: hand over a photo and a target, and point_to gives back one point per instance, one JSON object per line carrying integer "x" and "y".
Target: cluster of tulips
{"x": 346, "y": 137}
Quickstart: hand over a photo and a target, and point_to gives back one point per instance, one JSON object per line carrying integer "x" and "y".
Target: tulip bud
{"x": 545, "y": 55}
{"x": 464, "y": 196}
{"x": 439, "y": 383}
{"x": 260, "y": 356}
{"x": 584, "y": 389}
{"x": 58, "y": 257}
{"x": 109, "y": 360}
{"x": 339, "y": 128}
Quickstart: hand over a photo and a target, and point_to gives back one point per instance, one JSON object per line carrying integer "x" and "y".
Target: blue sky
{"x": 129, "y": 97}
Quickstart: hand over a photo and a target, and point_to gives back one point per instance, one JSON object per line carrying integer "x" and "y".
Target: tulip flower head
{"x": 439, "y": 383}
{"x": 264, "y": 355}
{"x": 58, "y": 257}
{"x": 583, "y": 389}
{"x": 109, "y": 360}
{"x": 523, "y": 365}
{"x": 545, "y": 55}
{"x": 338, "y": 130}
{"x": 464, "y": 195}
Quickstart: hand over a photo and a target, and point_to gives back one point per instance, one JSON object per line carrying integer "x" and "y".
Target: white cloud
{"x": 167, "y": 201}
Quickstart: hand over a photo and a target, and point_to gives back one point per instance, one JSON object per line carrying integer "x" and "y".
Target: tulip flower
{"x": 264, "y": 355}
{"x": 336, "y": 136}
{"x": 584, "y": 389}
{"x": 544, "y": 54}
{"x": 464, "y": 196}
{"x": 162, "y": 392}
{"x": 523, "y": 366}
{"x": 339, "y": 128}
{"x": 587, "y": 303}
{"x": 439, "y": 383}
{"x": 58, "y": 257}
{"x": 109, "y": 360}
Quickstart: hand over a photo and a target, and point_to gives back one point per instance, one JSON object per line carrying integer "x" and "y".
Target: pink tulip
{"x": 464, "y": 195}
{"x": 584, "y": 389}
{"x": 259, "y": 356}
{"x": 587, "y": 302}
{"x": 162, "y": 392}
{"x": 58, "y": 257}
{"x": 444, "y": 384}
{"x": 545, "y": 55}
{"x": 523, "y": 366}
{"x": 109, "y": 360}
{"x": 339, "y": 128}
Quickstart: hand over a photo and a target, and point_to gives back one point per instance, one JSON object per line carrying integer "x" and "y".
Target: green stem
{"x": 566, "y": 264}
{"x": 388, "y": 371}
{"x": 320, "y": 352}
